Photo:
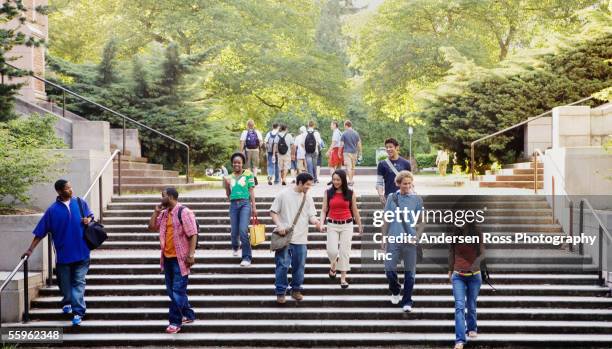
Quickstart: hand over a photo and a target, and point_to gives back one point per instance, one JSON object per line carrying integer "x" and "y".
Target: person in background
{"x": 465, "y": 275}
{"x": 442, "y": 161}
{"x": 300, "y": 152}
{"x": 283, "y": 148}
{"x": 284, "y": 210}
{"x": 250, "y": 142}
{"x": 239, "y": 188}
{"x": 312, "y": 143}
{"x": 320, "y": 158}
{"x": 63, "y": 220}
{"x": 388, "y": 169}
{"x": 352, "y": 150}
{"x": 339, "y": 213}
{"x": 406, "y": 252}
{"x": 178, "y": 236}
{"x": 272, "y": 160}
{"x": 334, "y": 153}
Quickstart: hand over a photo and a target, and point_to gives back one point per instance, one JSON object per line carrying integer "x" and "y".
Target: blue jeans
{"x": 240, "y": 215}
{"x": 294, "y": 255}
{"x": 71, "y": 281}
{"x": 311, "y": 164}
{"x": 273, "y": 168}
{"x": 465, "y": 291}
{"x": 408, "y": 255}
{"x": 176, "y": 288}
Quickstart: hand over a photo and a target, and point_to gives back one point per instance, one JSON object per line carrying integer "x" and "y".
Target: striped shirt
{"x": 181, "y": 235}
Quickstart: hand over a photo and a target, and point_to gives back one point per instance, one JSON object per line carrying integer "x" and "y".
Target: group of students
{"x": 301, "y": 153}
{"x": 292, "y": 211}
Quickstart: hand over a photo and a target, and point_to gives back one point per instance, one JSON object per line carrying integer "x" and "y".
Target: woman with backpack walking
{"x": 340, "y": 213}
{"x": 239, "y": 188}
{"x": 464, "y": 273}
{"x": 250, "y": 142}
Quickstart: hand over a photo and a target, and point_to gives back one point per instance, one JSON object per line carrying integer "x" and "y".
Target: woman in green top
{"x": 239, "y": 188}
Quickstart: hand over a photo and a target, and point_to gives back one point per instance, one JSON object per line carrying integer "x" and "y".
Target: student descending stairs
{"x": 545, "y": 295}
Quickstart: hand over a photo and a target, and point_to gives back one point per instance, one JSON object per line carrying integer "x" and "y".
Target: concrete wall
{"x": 91, "y": 135}
{"x": 12, "y": 296}
{"x": 538, "y": 135}
{"x": 63, "y": 126}
{"x": 132, "y": 142}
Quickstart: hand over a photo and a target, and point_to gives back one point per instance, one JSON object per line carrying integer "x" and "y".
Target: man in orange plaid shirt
{"x": 178, "y": 239}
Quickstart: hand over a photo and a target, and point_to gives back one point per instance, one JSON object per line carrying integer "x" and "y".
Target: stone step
{"x": 143, "y": 173}
{"x": 526, "y": 171}
{"x": 167, "y": 181}
{"x": 516, "y": 177}
{"x": 128, "y": 158}
{"x": 150, "y": 188}
{"x": 290, "y": 312}
{"x": 511, "y": 184}
{"x": 261, "y": 212}
{"x": 330, "y": 326}
{"x": 131, "y": 165}
{"x": 340, "y": 300}
{"x": 140, "y": 276}
{"x": 523, "y": 165}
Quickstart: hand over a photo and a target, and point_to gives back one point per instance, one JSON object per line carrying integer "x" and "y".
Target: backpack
{"x": 270, "y": 143}
{"x": 310, "y": 143}
{"x": 180, "y": 217}
{"x": 282, "y": 145}
{"x": 252, "y": 141}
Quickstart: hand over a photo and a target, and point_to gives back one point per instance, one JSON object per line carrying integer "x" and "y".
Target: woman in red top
{"x": 339, "y": 212}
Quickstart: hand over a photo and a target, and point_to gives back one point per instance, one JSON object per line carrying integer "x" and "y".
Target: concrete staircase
{"x": 518, "y": 175}
{"x": 546, "y": 296}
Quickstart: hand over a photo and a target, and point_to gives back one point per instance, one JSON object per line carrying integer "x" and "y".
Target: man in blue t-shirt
{"x": 64, "y": 221}
{"x": 388, "y": 169}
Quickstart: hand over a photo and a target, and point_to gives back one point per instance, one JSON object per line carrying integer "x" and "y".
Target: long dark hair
{"x": 345, "y": 189}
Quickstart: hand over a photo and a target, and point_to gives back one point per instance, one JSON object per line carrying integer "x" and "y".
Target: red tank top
{"x": 339, "y": 209}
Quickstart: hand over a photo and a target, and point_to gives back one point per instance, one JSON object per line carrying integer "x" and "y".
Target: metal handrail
{"x": 26, "y": 298}
{"x": 605, "y": 230}
{"x": 65, "y": 90}
{"x": 472, "y": 145}
{"x": 98, "y": 177}
{"x": 602, "y": 229}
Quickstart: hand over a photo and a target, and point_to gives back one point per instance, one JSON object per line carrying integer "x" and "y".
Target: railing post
{"x": 49, "y": 260}
{"x": 472, "y": 161}
{"x": 581, "y": 227}
{"x": 535, "y": 172}
{"x": 119, "y": 172}
{"x": 600, "y": 273}
{"x": 63, "y": 103}
{"x": 26, "y": 293}
{"x": 123, "y": 146}
{"x": 571, "y": 224}
{"x": 100, "y": 199}
{"x": 553, "y": 198}
{"x": 187, "y": 172}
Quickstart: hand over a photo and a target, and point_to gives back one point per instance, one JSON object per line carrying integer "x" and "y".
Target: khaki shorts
{"x": 301, "y": 165}
{"x": 252, "y": 156}
{"x": 350, "y": 160}
{"x": 284, "y": 162}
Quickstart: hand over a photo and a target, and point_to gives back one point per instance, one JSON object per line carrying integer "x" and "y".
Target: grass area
{"x": 7, "y": 210}
{"x": 207, "y": 179}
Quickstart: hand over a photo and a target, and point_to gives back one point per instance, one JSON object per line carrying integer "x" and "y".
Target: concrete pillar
{"x": 571, "y": 126}
{"x": 538, "y": 135}
{"x": 91, "y": 135}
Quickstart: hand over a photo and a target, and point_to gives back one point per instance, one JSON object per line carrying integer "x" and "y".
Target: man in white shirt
{"x": 250, "y": 142}
{"x": 272, "y": 161}
{"x": 283, "y": 148}
{"x": 300, "y": 152}
{"x": 312, "y": 142}
{"x": 283, "y": 211}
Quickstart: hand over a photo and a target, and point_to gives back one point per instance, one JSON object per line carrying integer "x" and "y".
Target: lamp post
{"x": 410, "y": 131}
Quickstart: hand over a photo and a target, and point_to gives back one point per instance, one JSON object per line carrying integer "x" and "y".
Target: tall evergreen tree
{"x": 106, "y": 69}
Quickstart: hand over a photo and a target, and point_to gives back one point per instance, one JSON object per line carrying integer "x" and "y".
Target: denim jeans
{"x": 71, "y": 281}
{"x": 294, "y": 255}
{"x": 311, "y": 164}
{"x": 240, "y": 215}
{"x": 465, "y": 291}
{"x": 176, "y": 288}
{"x": 407, "y": 254}
{"x": 273, "y": 168}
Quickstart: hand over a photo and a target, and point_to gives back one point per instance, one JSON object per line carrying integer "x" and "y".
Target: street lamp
{"x": 410, "y": 131}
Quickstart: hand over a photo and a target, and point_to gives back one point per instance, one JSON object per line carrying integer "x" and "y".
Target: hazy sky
{"x": 372, "y": 4}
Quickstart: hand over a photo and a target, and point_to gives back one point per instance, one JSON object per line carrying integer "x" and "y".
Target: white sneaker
{"x": 407, "y": 308}
{"x": 245, "y": 263}
{"x": 235, "y": 253}
{"x": 395, "y": 299}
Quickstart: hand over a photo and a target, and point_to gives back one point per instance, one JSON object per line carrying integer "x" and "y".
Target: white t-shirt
{"x": 288, "y": 140}
{"x": 286, "y": 205}
{"x": 243, "y": 136}
{"x": 299, "y": 143}
{"x": 336, "y": 136}
{"x": 67, "y": 203}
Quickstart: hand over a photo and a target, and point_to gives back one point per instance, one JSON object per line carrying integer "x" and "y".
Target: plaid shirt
{"x": 181, "y": 235}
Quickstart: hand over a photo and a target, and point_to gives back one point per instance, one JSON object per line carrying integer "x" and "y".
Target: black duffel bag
{"x": 94, "y": 235}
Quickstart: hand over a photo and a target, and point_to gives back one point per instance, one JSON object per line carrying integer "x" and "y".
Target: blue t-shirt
{"x": 413, "y": 202}
{"x": 388, "y": 175}
{"x": 66, "y": 230}
{"x": 350, "y": 139}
